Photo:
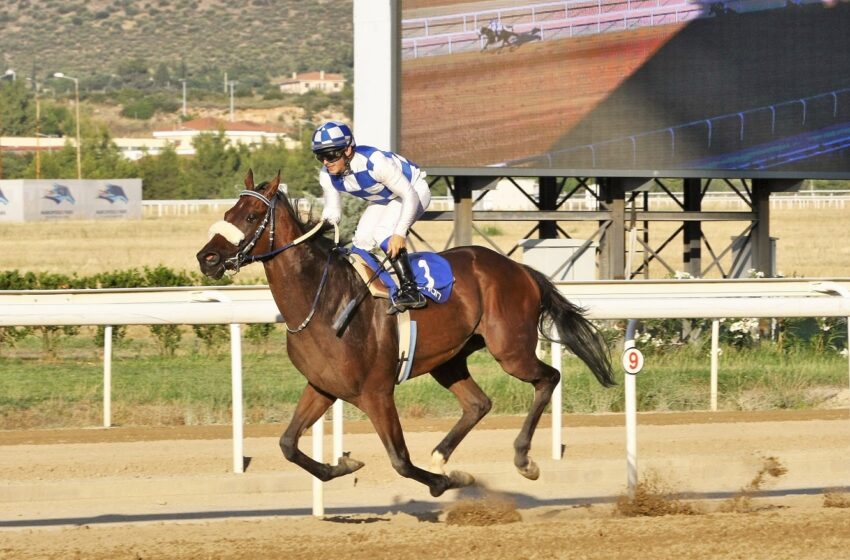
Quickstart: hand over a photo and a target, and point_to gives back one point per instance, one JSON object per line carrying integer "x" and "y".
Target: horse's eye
{"x": 251, "y": 218}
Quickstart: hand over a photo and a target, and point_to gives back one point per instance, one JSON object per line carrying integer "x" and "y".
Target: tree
{"x": 102, "y": 159}
{"x": 162, "y": 175}
{"x": 17, "y": 109}
{"x": 134, "y": 74}
{"x": 162, "y": 78}
{"x": 214, "y": 171}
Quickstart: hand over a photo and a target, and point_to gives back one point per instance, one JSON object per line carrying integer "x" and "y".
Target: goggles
{"x": 330, "y": 156}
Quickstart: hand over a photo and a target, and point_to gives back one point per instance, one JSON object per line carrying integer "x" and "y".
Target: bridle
{"x": 243, "y": 257}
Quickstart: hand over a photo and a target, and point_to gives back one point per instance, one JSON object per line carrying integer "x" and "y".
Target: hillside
{"x": 253, "y": 41}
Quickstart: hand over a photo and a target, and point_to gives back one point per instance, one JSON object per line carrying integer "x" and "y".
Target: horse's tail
{"x": 574, "y": 330}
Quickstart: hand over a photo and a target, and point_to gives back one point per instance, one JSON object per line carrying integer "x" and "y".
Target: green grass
{"x": 194, "y": 386}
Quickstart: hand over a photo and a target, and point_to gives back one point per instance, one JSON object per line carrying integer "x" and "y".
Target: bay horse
{"x": 496, "y": 303}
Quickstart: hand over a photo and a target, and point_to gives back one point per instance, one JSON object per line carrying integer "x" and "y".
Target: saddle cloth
{"x": 433, "y": 274}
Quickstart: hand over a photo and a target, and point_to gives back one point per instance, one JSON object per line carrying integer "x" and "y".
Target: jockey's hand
{"x": 331, "y": 216}
{"x": 395, "y": 244}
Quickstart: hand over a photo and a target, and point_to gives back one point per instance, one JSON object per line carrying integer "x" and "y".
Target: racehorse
{"x": 505, "y": 35}
{"x": 495, "y": 302}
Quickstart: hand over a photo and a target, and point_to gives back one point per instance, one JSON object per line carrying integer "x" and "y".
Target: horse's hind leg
{"x": 381, "y": 410}
{"x": 544, "y": 378}
{"x": 454, "y": 376}
{"x": 310, "y": 408}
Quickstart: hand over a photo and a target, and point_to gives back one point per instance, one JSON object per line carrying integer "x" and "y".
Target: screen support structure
{"x": 615, "y": 216}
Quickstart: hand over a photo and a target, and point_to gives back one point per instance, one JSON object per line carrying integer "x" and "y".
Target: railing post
{"x": 236, "y": 387}
{"x": 107, "y": 376}
{"x": 715, "y": 354}
{"x": 557, "y": 404}
{"x": 318, "y": 455}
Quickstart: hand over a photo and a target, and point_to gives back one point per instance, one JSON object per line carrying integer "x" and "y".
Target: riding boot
{"x": 408, "y": 295}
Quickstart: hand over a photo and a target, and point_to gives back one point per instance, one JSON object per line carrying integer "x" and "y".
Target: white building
{"x": 306, "y": 81}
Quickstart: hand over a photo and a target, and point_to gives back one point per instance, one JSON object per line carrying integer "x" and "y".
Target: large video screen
{"x": 741, "y": 88}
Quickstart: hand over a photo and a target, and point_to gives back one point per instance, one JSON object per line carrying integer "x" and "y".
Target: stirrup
{"x": 400, "y": 306}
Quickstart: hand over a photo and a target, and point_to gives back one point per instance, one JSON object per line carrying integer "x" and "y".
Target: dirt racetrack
{"x": 168, "y": 493}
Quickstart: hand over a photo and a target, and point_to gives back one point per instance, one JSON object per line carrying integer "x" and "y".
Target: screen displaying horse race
{"x": 735, "y": 88}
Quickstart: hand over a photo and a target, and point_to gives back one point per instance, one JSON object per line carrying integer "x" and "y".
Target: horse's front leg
{"x": 310, "y": 408}
{"x": 382, "y": 412}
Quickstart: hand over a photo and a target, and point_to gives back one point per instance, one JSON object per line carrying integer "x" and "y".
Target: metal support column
{"x": 692, "y": 232}
{"x": 548, "y": 202}
{"x": 762, "y": 255}
{"x": 612, "y": 194}
{"x": 463, "y": 211}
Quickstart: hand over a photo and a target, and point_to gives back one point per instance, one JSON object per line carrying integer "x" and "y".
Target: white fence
{"x": 650, "y": 299}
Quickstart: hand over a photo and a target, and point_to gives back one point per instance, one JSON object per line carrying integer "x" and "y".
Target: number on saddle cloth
{"x": 433, "y": 274}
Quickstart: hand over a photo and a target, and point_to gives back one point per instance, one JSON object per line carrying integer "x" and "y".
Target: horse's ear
{"x": 249, "y": 180}
{"x": 274, "y": 184}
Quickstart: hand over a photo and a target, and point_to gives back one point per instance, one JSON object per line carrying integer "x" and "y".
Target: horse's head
{"x": 239, "y": 233}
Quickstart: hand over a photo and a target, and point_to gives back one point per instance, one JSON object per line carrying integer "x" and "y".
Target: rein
{"x": 242, "y": 257}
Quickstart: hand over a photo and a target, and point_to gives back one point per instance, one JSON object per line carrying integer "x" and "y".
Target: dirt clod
{"x": 483, "y": 512}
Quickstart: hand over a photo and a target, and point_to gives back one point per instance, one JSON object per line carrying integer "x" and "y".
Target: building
{"x": 236, "y": 132}
{"x": 307, "y": 81}
{"x": 180, "y": 137}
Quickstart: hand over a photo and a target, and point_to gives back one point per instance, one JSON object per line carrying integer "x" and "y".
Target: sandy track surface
{"x": 168, "y": 493}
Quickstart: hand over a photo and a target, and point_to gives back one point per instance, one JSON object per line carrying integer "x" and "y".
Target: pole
{"x": 37, "y": 137}
{"x": 79, "y": 146}
{"x": 631, "y": 414}
{"x": 337, "y": 431}
{"x": 318, "y": 434}
{"x": 715, "y": 354}
{"x": 107, "y": 376}
{"x": 236, "y": 382}
{"x": 231, "y": 84}
{"x": 184, "y": 96}
{"x": 557, "y": 405}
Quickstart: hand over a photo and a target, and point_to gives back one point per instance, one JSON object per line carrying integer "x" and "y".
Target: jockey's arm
{"x": 333, "y": 206}
{"x": 391, "y": 176}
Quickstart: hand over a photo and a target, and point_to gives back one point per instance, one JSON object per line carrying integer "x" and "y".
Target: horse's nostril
{"x": 211, "y": 258}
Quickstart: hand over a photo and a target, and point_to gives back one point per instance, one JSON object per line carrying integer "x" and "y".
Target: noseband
{"x": 242, "y": 257}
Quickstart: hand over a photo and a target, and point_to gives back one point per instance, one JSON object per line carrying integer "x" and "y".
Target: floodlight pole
{"x": 77, "y": 101}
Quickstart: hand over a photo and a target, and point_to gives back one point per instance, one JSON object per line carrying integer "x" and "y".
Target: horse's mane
{"x": 320, "y": 241}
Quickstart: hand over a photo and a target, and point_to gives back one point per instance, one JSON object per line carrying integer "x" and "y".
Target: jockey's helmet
{"x": 332, "y": 135}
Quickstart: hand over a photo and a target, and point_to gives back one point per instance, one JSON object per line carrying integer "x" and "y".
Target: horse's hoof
{"x": 459, "y": 479}
{"x": 347, "y": 465}
{"x": 531, "y": 471}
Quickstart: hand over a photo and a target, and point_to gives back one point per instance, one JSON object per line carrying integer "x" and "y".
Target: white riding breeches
{"x": 379, "y": 221}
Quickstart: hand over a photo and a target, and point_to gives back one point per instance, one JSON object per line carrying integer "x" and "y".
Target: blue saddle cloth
{"x": 433, "y": 274}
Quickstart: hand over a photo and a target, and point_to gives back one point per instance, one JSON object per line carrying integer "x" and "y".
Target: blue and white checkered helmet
{"x": 331, "y": 135}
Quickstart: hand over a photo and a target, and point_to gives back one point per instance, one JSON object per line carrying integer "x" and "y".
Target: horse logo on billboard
{"x": 3, "y": 200}
{"x": 60, "y": 193}
{"x": 113, "y": 193}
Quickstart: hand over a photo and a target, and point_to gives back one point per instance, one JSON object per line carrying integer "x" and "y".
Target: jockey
{"x": 495, "y": 26}
{"x": 395, "y": 189}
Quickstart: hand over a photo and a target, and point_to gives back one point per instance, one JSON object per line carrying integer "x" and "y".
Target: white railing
{"x": 636, "y": 299}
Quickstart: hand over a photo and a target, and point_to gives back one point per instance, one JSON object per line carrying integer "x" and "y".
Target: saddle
{"x": 433, "y": 274}
{"x": 434, "y": 278}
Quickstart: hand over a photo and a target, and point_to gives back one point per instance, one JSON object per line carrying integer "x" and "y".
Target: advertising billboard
{"x": 675, "y": 88}
{"x": 26, "y": 200}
